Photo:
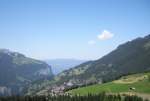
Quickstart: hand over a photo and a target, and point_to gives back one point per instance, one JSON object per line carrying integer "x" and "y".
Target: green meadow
{"x": 137, "y": 83}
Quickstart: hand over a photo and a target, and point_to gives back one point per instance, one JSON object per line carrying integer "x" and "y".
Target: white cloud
{"x": 91, "y": 42}
{"x": 105, "y": 35}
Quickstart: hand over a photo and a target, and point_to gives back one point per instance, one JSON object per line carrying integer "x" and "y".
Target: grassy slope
{"x": 138, "y": 81}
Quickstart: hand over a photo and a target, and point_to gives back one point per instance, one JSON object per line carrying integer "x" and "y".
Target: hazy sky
{"x": 82, "y": 29}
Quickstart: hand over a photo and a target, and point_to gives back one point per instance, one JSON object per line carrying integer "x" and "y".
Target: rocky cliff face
{"x": 18, "y": 71}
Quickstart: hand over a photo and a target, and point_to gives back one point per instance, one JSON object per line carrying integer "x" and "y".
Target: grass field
{"x": 138, "y": 81}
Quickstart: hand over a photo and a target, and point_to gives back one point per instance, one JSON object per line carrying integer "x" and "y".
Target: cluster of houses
{"x": 55, "y": 89}
{"x": 60, "y": 89}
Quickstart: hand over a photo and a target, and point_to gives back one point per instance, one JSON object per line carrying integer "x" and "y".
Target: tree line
{"x": 89, "y": 97}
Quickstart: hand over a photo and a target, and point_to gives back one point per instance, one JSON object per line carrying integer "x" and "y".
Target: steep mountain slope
{"x": 18, "y": 71}
{"x": 131, "y": 57}
{"x": 128, "y": 58}
{"x": 59, "y": 65}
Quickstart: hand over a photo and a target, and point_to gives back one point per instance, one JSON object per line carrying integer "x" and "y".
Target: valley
{"x": 59, "y": 65}
{"x": 74, "y": 50}
{"x": 127, "y": 74}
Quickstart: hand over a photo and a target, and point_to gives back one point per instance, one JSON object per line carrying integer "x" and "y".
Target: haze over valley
{"x": 59, "y": 65}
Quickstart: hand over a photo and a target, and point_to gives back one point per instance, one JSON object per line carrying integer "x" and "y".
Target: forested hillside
{"x": 131, "y": 57}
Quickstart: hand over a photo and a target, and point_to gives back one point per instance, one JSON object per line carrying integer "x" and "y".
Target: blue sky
{"x": 81, "y": 29}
